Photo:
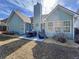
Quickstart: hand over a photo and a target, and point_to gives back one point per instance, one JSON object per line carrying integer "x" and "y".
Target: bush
{"x": 61, "y": 37}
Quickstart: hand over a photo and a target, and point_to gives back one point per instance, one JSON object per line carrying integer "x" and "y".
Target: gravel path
{"x": 26, "y": 49}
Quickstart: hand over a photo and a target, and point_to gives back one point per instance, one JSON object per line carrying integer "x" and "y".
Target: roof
{"x": 58, "y": 6}
{"x": 29, "y": 19}
{"x": 67, "y": 9}
{"x": 44, "y": 16}
{"x": 5, "y": 20}
{"x": 20, "y": 15}
{"x": 78, "y": 11}
{"x": 63, "y": 8}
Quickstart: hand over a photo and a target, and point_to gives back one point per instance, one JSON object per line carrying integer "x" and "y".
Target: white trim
{"x": 73, "y": 30}
{"x": 68, "y": 26}
{"x": 66, "y": 10}
{"x": 62, "y": 30}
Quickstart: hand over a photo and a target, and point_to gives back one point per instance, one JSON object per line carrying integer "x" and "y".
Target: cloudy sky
{"x": 26, "y": 6}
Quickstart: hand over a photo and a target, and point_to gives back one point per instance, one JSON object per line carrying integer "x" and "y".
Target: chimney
{"x": 37, "y": 17}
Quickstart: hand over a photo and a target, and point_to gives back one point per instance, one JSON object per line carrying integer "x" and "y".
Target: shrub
{"x": 61, "y": 37}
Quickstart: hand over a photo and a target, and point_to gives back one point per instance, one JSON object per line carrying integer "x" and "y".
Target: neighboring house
{"x": 19, "y": 23}
{"x": 3, "y": 25}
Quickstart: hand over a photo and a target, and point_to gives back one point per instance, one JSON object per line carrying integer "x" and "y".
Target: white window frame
{"x": 62, "y": 28}
{"x": 67, "y": 26}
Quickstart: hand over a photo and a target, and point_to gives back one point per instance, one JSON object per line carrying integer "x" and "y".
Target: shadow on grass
{"x": 52, "y": 51}
{"x": 4, "y": 37}
{"x": 9, "y": 48}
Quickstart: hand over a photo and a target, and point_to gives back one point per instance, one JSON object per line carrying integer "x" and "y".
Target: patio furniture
{"x": 31, "y": 34}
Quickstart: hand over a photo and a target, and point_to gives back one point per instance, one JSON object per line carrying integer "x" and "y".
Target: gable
{"x": 14, "y": 17}
{"x": 19, "y": 15}
{"x": 15, "y": 20}
{"x": 59, "y": 14}
{"x": 64, "y": 15}
{"x": 23, "y": 17}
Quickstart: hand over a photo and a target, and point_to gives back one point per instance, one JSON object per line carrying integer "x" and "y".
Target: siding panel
{"x": 59, "y": 15}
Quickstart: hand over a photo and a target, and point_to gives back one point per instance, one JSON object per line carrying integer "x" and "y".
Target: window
{"x": 66, "y": 26}
{"x": 59, "y": 26}
{"x": 57, "y": 29}
{"x": 66, "y": 29}
{"x": 66, "y": 23}
{"x": 50, "y": 26}
{"x": 4, "y": 28}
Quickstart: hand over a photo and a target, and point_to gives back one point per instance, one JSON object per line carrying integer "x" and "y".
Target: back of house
{"x": 59, "y": 21}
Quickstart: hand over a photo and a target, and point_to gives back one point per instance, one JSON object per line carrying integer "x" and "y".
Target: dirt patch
{"x": 52, "y": 51}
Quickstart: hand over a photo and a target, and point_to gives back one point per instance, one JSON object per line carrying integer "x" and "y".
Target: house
{"x": 18, "y": 23}
{"x": 3, "y": 25}
{"x": 59, "y": 20}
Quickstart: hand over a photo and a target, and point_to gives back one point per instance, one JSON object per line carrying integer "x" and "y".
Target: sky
{"x": 26, "y": 6}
